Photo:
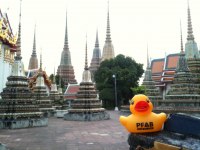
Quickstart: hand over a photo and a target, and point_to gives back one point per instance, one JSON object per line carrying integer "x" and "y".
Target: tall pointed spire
{"x": 182, "y": 65}
{"x": 65, "y": 69}
{"x": 190, "y": 35}
{"x": 86, "y": 61}
{"x": 18, "y": 53}
{"x": 40, "y": 78}
{"x": 148, "y": 73}
{"x": 33, "y": 62}
{"x": 66, "y": 46}
{"x": 66, "y": 56}
{"x": 148, "y": 64}
{"x": 108, "y": 50}
{"x": 96, "y": 57}
{"x": 97, "y": 40}
{"x": 191, "y": 49}
{"x": 41, "y": 61}
{"x": 86, "y": 77}
{"x": 34, "y": 44}
{"x": 181, "y": 39}
{"x": 108, "y": 35}
{"x": 54, "y": 77}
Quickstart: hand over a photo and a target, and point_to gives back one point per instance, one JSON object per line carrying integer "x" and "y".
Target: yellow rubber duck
{"x": 142, "y": 118}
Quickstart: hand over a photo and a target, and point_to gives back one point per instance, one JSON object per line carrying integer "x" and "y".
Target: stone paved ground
{"x": 69, "y": 135}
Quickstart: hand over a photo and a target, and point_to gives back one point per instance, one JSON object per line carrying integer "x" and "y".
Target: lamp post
{"x": 116, "y": 108}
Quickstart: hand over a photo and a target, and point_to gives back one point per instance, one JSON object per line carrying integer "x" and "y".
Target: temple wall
{"x": 5, "y": 68}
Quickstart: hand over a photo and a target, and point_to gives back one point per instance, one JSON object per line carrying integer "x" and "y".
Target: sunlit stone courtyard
{"x": 69, "y": 135}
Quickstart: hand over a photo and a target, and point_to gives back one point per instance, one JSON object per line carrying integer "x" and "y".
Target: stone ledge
{"x": 86, "y": 116}
{"x": 180, "y": 131}
{"x": 147, "y": 140}
{"x": 23, "y": 123}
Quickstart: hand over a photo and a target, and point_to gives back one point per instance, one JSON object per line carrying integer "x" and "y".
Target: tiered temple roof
{"x": 65, "y": 69}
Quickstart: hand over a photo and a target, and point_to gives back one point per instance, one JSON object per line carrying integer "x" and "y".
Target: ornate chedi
{"x": 65, "y": 69}
{"x": 41, "y": 95}
{"x": 33, "y": 62}
{"x": 96, "y": 58}
{"x": 7, "y": 49}
{"x": 191, "y": 48}
{"x": 17, "y": 108}
{"x": 108, "y": 49}
{"x": 184, "y": 95}
{"x": 151, "y": 90}
{"x": 87, "y": 106}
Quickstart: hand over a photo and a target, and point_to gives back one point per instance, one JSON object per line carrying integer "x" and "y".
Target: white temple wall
{"x": 5, "y": 68}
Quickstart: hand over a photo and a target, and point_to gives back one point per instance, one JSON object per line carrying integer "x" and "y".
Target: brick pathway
{"x": 69, "y": 135}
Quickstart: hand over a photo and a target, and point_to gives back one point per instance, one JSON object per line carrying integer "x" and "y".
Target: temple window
{"x": 11, "y": 57}
{"x": 7, "y": 55}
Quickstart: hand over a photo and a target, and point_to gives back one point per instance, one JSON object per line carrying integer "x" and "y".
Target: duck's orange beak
{"x": 142, "y": 106}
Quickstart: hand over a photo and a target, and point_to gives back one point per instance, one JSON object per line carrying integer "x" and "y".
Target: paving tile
{"x": 69, "y": 135}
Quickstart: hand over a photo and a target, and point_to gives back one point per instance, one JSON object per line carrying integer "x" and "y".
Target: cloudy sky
{"x": 134, "y": 23}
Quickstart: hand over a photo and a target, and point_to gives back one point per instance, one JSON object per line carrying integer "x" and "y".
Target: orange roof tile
{"x": 157, "y": 65}
{"x": 171, "y": 61}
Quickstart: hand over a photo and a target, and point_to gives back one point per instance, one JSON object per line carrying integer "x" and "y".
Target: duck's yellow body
{"x": 142, "y": 118}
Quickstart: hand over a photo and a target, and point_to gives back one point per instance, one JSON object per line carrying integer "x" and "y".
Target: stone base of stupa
{"x": 47, "y": 112}
{"x": 85, "y": 116}
{"x": 60, "y": 113}
{"x": 24, "y": 123}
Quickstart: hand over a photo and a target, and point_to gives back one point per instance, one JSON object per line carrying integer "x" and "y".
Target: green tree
{"x": 57, "y": 80}
{"x": 139, "y": 90}
{"x": 127, "y": 73}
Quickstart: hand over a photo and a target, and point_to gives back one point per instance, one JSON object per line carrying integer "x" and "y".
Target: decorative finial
{"x": 86, "y": 62}
{"x": 41, "y": 60}
{"x": 190, "y": 35}
{"x": 20, "y": 11}
{"x": 54, "y": 77}
{"x": 181, "y": 38}
{"x": 18, "y": 53}
{"x": 34, "y": 43}
{"x": 148, "y": 64}
{"x": 108, "y": 38}
{"x": 97, "y": 40}
{"x": 66, "y": 45}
